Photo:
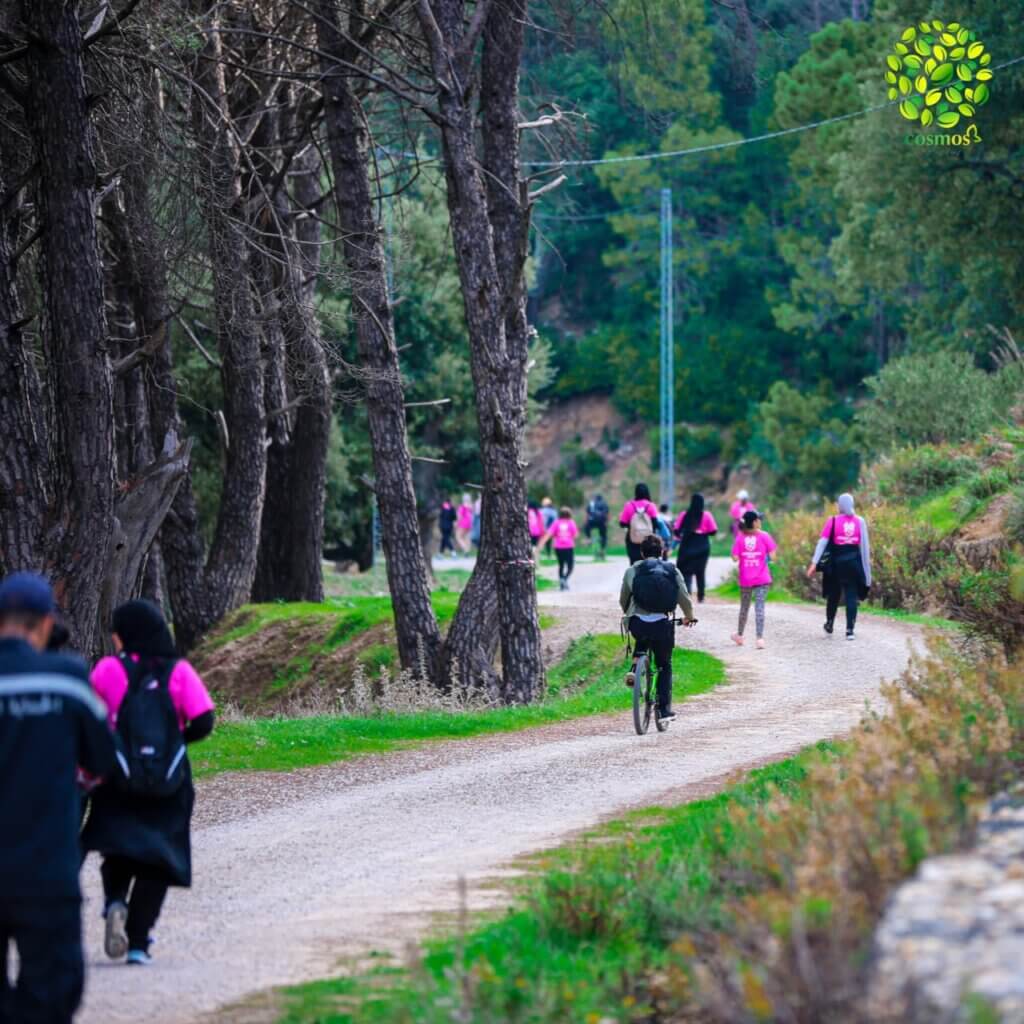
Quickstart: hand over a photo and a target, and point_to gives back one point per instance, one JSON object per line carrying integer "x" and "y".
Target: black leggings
{"x": 694, "y": 567}
{"x": 146, "y": 900}
{"x": 566, "y": 561}
{"x": 659, "y": 638}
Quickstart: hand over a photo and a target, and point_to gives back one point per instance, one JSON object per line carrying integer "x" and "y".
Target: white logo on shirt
{"x": 750, "y": 543}
{"x": 848, "y": 528}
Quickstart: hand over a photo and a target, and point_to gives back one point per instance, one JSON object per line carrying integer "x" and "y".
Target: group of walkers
{"x": 96, "y": 762}
{"x": 459, "y": 526}
{"x": 652, "y": 589}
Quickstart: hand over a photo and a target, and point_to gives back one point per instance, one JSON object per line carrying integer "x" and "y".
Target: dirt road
{"x": 295, "y": 872}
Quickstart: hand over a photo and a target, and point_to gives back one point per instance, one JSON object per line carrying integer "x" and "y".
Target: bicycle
{"x": 645, "y": 697}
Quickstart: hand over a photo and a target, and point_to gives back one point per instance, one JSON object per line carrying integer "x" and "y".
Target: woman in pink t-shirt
{"x": 562, "y": 534}
{"x": 144, "y": 838}
{"x": 643, "y": 505}
{"x": 751, "y": 551}
{"x": 695, "y": 527}
{"x": 464, "y": 523}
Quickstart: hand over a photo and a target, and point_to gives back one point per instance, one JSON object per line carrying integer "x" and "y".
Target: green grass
{"x": 374, "y": 582}
{"x": 587, "y": 931}
{"x": 588, "y": 681}
{"x": 942, "y": 511}
{"x": 730, "y": 591}
{"x": 935, "y": 621}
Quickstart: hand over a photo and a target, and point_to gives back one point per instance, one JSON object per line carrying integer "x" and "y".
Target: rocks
{"x": 950, "y": 947}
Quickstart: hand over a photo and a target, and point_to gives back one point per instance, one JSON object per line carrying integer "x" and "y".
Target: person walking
{"x": 741, "y": 505}
{"x": 651, "y": 590}
{"x": 548, "y": 514}
{"x": 752, "y": 550}
{"x": 477, "y": 524}
{"x": 597, "y": 519}
{"x": 534, "y": 522}
{"x": 464, "y": 524}
{"x": 637, "y": 518}
{"x": 695, "y": 527}
{"x": 846, "y": 571}
{"x": 446, "y": 524}
{"x": 563, "y": 534}
{"x": 140, "y": 820}
{"x": 51, "y": 723}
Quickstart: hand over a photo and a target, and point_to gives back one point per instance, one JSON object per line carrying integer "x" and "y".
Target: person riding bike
{"x": 651, "y": 590}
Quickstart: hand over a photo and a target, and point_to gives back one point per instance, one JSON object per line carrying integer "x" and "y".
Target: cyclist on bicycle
{"x": 651, "y": 590}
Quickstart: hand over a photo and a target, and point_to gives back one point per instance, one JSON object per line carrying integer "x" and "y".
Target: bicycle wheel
{"x": 642, "y": 695}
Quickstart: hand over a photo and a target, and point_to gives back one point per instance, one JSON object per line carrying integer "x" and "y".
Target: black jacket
{"x": 51, "y": 722}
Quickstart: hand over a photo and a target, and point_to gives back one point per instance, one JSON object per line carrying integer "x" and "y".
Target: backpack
{"x": 533, "y": 517}
{"x": 663, "y": 531}
{"x": 599, "y": 510}
{"x": 655, "y": 586}
{"x": 151, "y": 748}
{"x": 640, "y": 526}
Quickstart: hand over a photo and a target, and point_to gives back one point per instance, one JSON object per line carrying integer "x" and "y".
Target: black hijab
{"x": 694, "y": 514}
{"x": 143, "y": 630}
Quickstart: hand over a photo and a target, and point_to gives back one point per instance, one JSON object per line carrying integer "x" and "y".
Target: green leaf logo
{"x": 938, "y": 73}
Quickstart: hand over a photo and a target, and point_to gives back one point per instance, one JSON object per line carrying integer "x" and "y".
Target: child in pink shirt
{"x": 142, "y": 834}
{"x": 563, "y": 533}
{"x": 751, "y": 551}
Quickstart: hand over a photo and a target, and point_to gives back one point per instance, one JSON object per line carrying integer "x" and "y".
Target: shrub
{"x": 694, "y": 444}
{"x": 1014, "y": 525}
{"x": 793, "y": 943}
{"x": 914, "y": 472}
{"x": 987, "y": 601}
{"x": 937, "y": 398}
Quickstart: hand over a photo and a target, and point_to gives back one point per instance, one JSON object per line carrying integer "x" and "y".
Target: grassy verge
{"x": 756, "y": 905}
{"x": 583, "y": 938}
{"x": 588, "y": 681}
{"x": 730, "y": 591}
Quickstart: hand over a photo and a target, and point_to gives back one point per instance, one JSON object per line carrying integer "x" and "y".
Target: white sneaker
{"x": 760, "y": 644}
{"x": 115, "y": 939}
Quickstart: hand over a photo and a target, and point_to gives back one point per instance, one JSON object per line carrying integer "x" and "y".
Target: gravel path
{"x": 296, "y": 872}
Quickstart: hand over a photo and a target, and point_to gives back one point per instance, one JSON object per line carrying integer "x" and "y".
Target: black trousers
{"x": 145, "y": 900}
{"x": 694, "y": 567}
{"x": 660, "y": 639}
{"x": 850, "y": 592}
{"x": 447, "y": 544}
{"x": 633, "y": 550}
{"x": 602, "y": 531}
{"x": 51, "y": 972}
{"x": 566, "y": 560}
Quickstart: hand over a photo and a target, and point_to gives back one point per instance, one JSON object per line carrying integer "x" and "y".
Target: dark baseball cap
{"x": 26, "y": 592}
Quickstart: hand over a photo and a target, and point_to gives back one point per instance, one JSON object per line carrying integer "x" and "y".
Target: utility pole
{"x": 667, "y": 455}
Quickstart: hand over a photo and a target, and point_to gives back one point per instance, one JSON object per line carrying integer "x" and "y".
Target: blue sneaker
{"x": 138, "y": 958}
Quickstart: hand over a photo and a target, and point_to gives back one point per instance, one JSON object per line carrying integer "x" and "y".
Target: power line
{"x": 712, "y": 147}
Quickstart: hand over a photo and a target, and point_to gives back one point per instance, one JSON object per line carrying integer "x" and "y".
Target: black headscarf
{"x": 694, "y": 514}
{"x": 143, "y": 630}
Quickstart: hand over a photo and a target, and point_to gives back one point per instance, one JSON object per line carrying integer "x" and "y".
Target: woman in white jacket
{"x": 847, "y": 569}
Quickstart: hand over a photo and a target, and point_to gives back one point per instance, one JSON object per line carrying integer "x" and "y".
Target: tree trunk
{"x": 418, "y": 636}
{"x": 23, "y": 492}
{"x": 491, "y": 288}
{"x": 75, "y": 333}
{"x": 202, "y": 590}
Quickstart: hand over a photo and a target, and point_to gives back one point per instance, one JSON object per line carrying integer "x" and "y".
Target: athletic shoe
{"x": 666, "y": 716}
{"x": 138, "y": 958}
{"x": 115, "y": 939}
{"x": 829, "y": 626}
{"x": 760, "y": 644}
{"x": 737, "y": 639}
{"x": 849, "y": 634}
{"x": 631, "y": 678}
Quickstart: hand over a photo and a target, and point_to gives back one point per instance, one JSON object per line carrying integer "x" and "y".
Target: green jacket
{"x": 630, "y": 607}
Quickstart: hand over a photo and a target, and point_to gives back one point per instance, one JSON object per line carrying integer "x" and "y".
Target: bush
{"x": 695, "y": 444}
{"x": 987, "y": 601}
{"x": 915, "y": 472}
{"x": 1014, "y": 525}
{"x": 941, "y": 397}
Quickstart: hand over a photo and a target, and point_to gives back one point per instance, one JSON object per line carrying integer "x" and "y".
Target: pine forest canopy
{"x": 247, "y": 249}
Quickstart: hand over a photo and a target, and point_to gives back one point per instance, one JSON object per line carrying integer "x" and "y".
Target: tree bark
{"x": 490, "y": 258}
{"x": 23, "y": 491}
{"x": 418, "y": 636}
{"x": 74, "y": 330}
{"x": 204, "y": 589}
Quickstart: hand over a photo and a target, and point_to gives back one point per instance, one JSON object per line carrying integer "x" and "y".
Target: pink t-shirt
{"x": 465, "y": 514}
{"x": 564, "y": 533}
{"x": 752, "y": 550}
{"x": 188, "y": 693}
{"x": 637, "y": 506}
{"x": 847, "y": 530}
{"x": 707, "y": 523}
{"x": 737, "y": 509}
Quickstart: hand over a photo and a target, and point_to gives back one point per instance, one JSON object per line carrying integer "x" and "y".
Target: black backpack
{"x": 655, "y": 586}
{"x": 599, "y": 510}
{"x": 151, "y": 747}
